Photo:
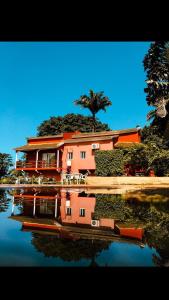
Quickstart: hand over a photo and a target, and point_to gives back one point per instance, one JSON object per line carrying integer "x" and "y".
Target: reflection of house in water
{"x": 38, "y": 203}
{"x": 64, "y": 209}
{"x": 79, "y": 209}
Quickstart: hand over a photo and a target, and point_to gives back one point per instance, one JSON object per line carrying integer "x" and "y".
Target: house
{"x": 67, "y": 208}
{"x": 70, "y": 152}
{"x": 54, "y": 208}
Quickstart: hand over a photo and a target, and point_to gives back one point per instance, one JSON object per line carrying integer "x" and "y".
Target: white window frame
{"x": 70, "y": 155}
{"x": 84, "y": 212}
{"x": 83, "y": 154}
{"x": 70, "y": 210}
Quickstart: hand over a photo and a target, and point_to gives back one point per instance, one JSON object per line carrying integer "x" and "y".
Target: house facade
{"x": 50, "y": 156}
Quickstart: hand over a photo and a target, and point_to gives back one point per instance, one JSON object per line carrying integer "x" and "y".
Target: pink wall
{"x": 88, "y": 203}
{"x": 87, "y": 163}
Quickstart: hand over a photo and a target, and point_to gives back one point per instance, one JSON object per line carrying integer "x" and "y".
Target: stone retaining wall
{"x": 105, "y": 181}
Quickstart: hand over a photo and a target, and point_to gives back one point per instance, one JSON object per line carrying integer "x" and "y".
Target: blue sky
{"x": 41, "y": 79}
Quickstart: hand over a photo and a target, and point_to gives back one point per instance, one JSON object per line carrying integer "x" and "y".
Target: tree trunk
{"x": 94, "y": 123}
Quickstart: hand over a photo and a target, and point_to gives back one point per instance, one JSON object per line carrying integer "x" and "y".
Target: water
{"x": 78, "y": 243}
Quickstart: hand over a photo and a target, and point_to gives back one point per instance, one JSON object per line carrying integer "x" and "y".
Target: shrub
{"x": 161, "y": 166}
{"x": 7, "y": 180}
{"x": 109, "y": 163}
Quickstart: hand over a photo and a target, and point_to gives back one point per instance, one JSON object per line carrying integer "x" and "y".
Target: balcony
{"x": 39, "y": 165}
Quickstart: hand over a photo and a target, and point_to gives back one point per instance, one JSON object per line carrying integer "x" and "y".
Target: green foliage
{"x": 153, "y": 134}
{"x": 156, "y": 65}
{"x": 136, "y": 156}
{"x": 94, "y": 102}
{"x": 5, "y": 164}
{"x": 112, "y": 206}
{"x": 69, "y": 123}
{"x": 4, "y": 201}
{"x": 146, "y": 156}
{"x": 109, "y": 163}
{"x": 161, "y": 165}
{"x": 68, "y": 250}
{"x": 7, "y": 180}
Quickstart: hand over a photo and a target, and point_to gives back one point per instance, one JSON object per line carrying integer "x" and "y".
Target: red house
{"x": 52, "y": 155}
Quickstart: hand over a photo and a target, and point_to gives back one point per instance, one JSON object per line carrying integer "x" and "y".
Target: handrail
{"x": 40, "y": 164}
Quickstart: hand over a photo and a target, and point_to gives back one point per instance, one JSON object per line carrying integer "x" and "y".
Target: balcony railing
{"x": 41, "y": 164}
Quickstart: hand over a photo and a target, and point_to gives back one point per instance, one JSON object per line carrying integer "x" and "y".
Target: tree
{"x": 69, "y": 123}
{"x": 68, "y": 250}
{"x": 4, "y": 201}
{"x": 94, "y": 102}
{"x": 5, "y": 164}
{"x": 156, "y": 64}
{"x": 151, "y": 134}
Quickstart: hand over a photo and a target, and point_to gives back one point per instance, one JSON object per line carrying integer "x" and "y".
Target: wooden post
{"x": 34, "y": 205}
{"x": 57, "y": 159}
{"x": 37, "y": 152}
{"x": 56, "y": 202}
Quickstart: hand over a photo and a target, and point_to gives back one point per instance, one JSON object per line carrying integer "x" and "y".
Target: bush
{"x": 161, "y": 166}
{"x": 7, "y": 180}
{"x": 109, "y": 163}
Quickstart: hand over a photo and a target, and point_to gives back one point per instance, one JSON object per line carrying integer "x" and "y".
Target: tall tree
{"x": 5, "y": 164}
{"x": 69, "y": 123}
{"x": 156, "y": 64}
{"x": 94, "y": 102}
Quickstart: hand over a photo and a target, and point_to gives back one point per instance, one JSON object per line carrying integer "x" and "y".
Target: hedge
{"x": 109, "y": 163}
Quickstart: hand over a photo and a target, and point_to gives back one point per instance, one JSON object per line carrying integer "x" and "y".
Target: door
{"x": 48, "y": 160}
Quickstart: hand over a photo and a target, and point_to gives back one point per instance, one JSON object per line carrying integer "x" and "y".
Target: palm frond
{"x": 151, "y": 114}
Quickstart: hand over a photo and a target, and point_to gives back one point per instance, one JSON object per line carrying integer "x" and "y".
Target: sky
{"x": 42, "y": 79}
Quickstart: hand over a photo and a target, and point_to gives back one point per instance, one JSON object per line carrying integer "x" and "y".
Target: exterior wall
{"x": 44, "y": 141}
{"x": 78, "y": 163}
{"x": 107, "y": 223}
{"x": 131, "y": 180}
{"x": 130, "y": 137}
{"x": 88, "y": 203}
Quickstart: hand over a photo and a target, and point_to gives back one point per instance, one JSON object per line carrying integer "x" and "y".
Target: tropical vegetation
{"x": 94, "y": 102}
{"x": 5, "y": 164}
{"x": 70, "y": 123}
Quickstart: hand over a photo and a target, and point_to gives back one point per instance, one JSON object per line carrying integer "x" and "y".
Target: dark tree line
{"x": 69, "y": 123}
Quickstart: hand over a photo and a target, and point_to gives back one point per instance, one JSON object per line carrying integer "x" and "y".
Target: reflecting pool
{"x": 65, "y": 227}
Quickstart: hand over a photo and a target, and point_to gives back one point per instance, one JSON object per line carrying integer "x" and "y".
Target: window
{"x": 82, "y": 154}
{"x": 70, "y": 155}
{"x": 68, "y": 211}
{"x": 45, "y": 207}
{"x": 48, "y": 159}
{"x": 82, "y": 212}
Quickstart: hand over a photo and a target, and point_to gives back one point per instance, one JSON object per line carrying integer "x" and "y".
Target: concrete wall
{"x": 105, "y": 181}
{"x": 77, "y": 163}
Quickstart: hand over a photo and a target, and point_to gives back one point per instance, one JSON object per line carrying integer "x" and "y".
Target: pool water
{"x": 75, "y": 210}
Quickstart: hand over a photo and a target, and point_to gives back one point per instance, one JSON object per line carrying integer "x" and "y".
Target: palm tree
{"x": 94, "y": 102}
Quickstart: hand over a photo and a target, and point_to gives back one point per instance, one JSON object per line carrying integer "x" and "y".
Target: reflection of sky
{"x": 16, "y": 250}
{"x": 124, "y": 254}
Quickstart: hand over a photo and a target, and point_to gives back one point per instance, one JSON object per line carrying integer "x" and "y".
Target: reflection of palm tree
{"x": 93, "y": 262}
